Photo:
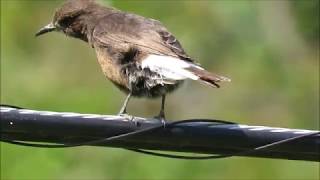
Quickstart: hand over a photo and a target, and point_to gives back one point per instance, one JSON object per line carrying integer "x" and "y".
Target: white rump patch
{"x": 169, "y": 68}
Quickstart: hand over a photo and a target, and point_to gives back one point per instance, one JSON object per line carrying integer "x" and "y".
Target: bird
{"x": 137, "y": 54}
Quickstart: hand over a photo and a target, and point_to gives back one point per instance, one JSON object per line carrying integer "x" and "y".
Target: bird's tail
{"x": 208, "y": 78}
{"x": 172, "y": 69}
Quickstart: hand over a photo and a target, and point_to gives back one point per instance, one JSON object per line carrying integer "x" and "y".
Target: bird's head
{"x": 70, "y": 19}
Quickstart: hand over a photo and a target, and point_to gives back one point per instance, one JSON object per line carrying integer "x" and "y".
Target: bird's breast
{"x": 111, "y": 69}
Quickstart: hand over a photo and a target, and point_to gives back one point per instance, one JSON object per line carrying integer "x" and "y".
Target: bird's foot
{"x": 161, "y": 118}
{"x": 129, "y": 117}
{"x": 126, "y": 116}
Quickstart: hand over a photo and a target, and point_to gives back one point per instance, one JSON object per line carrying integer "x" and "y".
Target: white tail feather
{"x": 169, "y": 68}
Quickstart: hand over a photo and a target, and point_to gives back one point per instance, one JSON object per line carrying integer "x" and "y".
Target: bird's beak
{"x": 48, "y": 28}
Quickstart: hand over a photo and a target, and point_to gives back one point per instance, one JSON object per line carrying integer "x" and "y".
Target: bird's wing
{"x": 124, "y": 29}
{"x": 173, "y": 44}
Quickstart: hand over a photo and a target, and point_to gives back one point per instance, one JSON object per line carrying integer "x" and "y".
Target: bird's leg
{"x": 161, "y": 115}
{"x": 123, "y": 110}
{"x": 163, "y": 100}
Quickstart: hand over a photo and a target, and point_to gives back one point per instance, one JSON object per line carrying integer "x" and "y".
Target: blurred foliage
{"x": 270, "y": 49}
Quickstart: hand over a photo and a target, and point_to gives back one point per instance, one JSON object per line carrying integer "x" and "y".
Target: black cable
{"x": 103, "y": 140}
{"x": 179, "y": 156}
{"x": 10, "y": 106}
{"x": 167, "y": 125}
{"x": 246, "y": 152}
{"x": 117, "y": 137}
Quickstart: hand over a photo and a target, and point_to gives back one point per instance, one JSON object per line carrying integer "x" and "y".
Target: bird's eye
{"x": 66, "y": 22}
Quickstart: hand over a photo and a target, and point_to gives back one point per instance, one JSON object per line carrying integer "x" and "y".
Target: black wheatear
{"x": 139, "y": 55}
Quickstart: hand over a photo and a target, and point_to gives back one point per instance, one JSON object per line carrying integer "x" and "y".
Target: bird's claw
{"x": 161, "y": 118}
{"x": 126, "y": 116}
{"x": 129, "y": 117}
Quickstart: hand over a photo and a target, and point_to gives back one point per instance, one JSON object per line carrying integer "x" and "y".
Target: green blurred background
{"x": 270, "y": 49}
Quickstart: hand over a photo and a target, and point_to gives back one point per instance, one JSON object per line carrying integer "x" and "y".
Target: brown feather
{"x": 208, "y": 77}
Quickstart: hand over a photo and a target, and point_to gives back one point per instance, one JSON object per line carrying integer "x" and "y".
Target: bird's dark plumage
{"x": 139, "y": 55}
